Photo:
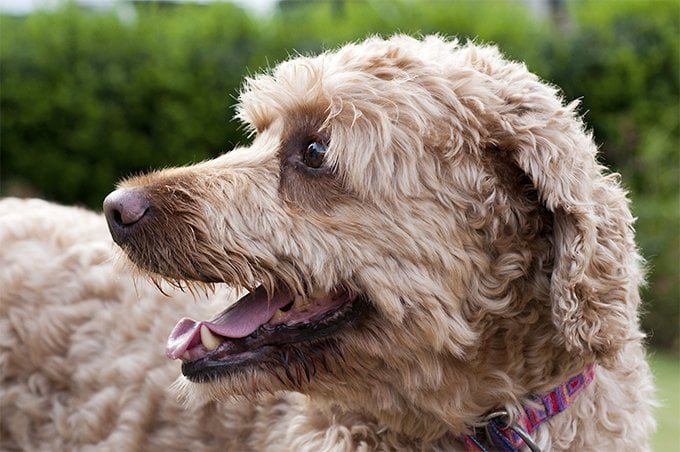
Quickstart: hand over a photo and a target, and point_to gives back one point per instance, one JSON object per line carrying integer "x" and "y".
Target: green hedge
{"x": 88, "y": 97}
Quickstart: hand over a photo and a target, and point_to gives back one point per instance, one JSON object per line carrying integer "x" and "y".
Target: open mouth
{"x": 260, "y": 329}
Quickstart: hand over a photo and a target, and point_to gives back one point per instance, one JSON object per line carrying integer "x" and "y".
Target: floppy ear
{"x": 597, "y": 270}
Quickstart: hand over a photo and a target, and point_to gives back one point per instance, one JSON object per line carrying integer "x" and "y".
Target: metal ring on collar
{"x": 502, "y": 417}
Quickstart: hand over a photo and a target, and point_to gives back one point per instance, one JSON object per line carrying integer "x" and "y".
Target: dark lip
{"x": 273, "y": 346}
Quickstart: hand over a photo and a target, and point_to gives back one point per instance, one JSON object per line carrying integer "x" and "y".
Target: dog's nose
{"x": 123, "y": 209}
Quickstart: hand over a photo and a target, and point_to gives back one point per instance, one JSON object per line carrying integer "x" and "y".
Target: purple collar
{"x": 536, "y": 409}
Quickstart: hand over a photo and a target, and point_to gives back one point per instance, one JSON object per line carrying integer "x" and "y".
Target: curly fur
{"x": 459, "y": 193}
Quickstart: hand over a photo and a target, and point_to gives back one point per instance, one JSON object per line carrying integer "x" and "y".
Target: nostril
{"x": 117, "y": 217}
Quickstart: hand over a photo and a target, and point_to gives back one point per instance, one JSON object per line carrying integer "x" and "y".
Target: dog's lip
{"x": 245, "y": 317}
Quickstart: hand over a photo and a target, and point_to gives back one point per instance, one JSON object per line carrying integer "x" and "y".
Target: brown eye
{"x": 314, "y": 154}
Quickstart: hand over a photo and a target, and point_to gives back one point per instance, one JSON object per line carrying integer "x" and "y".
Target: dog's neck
{"x": 412, "y": 423}
{"x": 469, "y": 390}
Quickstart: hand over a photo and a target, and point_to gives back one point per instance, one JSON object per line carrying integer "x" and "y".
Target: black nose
{"x": 124, "y": 209}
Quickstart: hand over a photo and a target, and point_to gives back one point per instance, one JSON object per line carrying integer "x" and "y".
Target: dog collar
{"x": 506, "y": 437}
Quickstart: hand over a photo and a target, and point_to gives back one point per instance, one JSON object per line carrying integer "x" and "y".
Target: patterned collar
{"x": 512, "y": 438}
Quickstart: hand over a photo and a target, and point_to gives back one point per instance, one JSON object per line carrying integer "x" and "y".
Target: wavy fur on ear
{"x": 597, "y": 269}
{"x": 511, "y": 115}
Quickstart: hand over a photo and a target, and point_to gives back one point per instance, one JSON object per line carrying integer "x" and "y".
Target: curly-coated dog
{"x": 434, "y": 258}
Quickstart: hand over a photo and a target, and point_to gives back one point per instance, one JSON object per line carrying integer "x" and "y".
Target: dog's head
{"x": 423, "y": 227}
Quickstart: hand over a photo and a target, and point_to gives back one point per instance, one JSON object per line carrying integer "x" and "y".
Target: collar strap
{"x": 535, "y": 410}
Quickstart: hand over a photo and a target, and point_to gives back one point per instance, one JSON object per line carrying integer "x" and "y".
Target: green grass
{"x": 666, "y": 368}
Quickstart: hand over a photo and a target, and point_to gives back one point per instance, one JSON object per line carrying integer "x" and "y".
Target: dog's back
{"x": 76, "y": 366}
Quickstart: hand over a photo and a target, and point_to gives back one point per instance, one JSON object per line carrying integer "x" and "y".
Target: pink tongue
{"x": 239, "y": 320}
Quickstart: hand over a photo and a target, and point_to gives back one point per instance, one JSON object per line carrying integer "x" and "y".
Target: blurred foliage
{"x": 89, "y": 96}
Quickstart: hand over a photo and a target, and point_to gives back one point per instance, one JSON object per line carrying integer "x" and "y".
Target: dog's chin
{"x": 268, "y": 341}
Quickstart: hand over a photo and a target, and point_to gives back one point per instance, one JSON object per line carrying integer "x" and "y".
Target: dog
{"x": 426, "y": 255}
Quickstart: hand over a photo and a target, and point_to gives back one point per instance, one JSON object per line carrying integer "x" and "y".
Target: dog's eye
{"x": 314, "y": 154}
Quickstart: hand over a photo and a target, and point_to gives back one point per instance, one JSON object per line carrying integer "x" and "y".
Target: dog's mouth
{"x": 261, "y": 328}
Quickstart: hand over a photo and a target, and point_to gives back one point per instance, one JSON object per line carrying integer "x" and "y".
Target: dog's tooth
{"x": 209, "y": 340}
{"x": 277, "y": 315}
{"x": 299, "y": 301}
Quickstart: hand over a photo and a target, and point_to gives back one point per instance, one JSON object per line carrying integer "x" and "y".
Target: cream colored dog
{"x": 426, "y": 237}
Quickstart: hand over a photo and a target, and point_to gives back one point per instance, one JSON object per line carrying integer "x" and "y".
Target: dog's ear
{"x": 596, "y": 268}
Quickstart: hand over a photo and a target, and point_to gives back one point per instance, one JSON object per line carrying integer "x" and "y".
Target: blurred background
{"x": 96, "y": 90}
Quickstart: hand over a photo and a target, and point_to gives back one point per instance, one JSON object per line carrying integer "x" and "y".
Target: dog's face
{"x": 399, "y": 221}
